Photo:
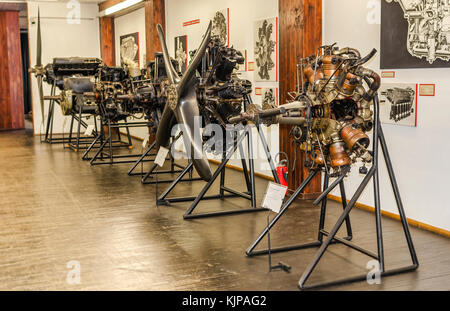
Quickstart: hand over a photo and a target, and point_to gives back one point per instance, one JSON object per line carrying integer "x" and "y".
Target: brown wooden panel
{"x": 107, "y": 4}
{"x": 154, "y": 15}
{"x": 300, "y": 35}
{"x": 11, "y": 80}
{"x": 107, "y": 46}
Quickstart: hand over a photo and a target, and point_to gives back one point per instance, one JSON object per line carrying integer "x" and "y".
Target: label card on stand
{"x": 274, "y": 196}
{"x": 161, "y": 156}
{"x": 89, "y": 130}
{"x": 145, "y": 142}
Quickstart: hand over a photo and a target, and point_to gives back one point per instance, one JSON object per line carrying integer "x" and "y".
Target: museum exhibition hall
{"x": 224, "y": 146}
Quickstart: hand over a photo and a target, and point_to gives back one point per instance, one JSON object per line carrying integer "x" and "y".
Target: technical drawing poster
{"x": 415, "y": 34}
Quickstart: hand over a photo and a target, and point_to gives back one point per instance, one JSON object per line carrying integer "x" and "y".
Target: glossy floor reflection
{"x": 56, "y": 208}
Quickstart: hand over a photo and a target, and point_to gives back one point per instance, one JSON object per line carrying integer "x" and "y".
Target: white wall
{"x": 60, "y": 39}
{"x": 123, "y": 25}
{"x": 242, "y": 16}
{"x": 419, "y": 155}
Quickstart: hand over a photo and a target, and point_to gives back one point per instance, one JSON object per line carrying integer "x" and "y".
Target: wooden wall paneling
{"x": 107, "y": 4}
{"x": 300, "y": 27}
{"x": 11, "y": 84}
{"x": 154, "y": 15}
{"x": 107, "y": 41}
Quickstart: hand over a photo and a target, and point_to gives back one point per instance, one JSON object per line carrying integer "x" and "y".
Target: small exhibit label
{"x": 161, "y": 156}
{"x": 388, "y": 74}
{"x": 427, "y": 89}
{"x": 192, "y": 22}
{"x": 145, "y": 142}
{"x": 89, "y": 130}
{"x": 274, "y": 196}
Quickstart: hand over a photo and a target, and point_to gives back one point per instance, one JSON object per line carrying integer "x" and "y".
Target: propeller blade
{"x": 165, "y": 125}
{"x": 187, "y": 113}
{"x": 41, "y": 95}
{"x": 171, "y": 72}
{"x": 39, "y": 42}
{"x": 190, "y": 71}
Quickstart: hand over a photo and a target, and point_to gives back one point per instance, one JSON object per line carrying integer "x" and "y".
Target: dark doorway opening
{"x": 26, "y": 76}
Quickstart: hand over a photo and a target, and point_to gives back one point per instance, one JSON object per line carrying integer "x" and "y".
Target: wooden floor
{"x": 56, "y": 208}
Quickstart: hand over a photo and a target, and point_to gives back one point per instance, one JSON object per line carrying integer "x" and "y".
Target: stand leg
{"x": 214, "y": 177}
{"x": 336, "y": 228}
{"x": 100, "y": 150}
{"x": 142, "y": 158}
{"x": 245, "y": 169}
{"x": 163, "y": 196}
{"x": 72, "y": 119}
{"x": 250, "y": 251}
{"x": 398, "y": 198}
{"x": 348, "y": 224}
{"x": 323, "y": 210}
{"x": 325, "y": 193}
{"x": 79, "y": 126}
{"x": 267, "y": 152}
{"x": 251, "y": 162}
{"x": 49, "y": 115}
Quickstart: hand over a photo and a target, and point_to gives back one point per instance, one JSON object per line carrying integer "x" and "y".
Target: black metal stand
{"x": 225, "y": 192}
{"x": 174, "y": 168}
{"x": 281, "y": 265}
{"x": 80, "y": 140}
{"x": 331, "y": 236}
{"x": 103, "y": 156}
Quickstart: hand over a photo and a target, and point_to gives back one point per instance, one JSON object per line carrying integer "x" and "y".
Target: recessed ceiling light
{"x": 120, "y": 6}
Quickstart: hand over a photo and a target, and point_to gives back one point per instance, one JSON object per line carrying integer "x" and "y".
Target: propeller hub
{"x": 172, "y": 96}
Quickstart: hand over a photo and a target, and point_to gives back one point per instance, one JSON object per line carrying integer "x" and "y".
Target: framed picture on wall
{"x": 242, "y": 67}
{"x": 129, "y": 49}
{"x": 265, "y": 49}
{"x": 398, "y": 104}
{"x": 269, "y": 96}
{"x": 181, "y": 53}
{"x": 415, "y": 34}
{"x": 221, "y": 26}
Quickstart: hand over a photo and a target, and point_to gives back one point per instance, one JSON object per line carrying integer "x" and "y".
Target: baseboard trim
{"x": 240, "y": 169}
{"x": 412, "y": 222}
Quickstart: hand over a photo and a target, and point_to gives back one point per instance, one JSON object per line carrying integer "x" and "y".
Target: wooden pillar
{"x": 11, "y": 80}
{"x": 300, "y": 35}
{"x": 107, "y": 39}
{"x": 154, "y": 14}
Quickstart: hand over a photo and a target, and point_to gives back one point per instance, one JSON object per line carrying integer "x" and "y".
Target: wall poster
{"x": 398, "y": 104}
{"x": 129, "y": 49}
{"x": 181, "y": 53}
{"x": 265, "y": 49}
{"x": 221, "y": 26}
{"x": 415, "y": 34}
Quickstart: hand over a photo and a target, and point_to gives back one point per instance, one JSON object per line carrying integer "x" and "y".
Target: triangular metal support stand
{"x": 224, "y": 191}
{"x": 331, "y": 238}
{"x": 153, "y": 171}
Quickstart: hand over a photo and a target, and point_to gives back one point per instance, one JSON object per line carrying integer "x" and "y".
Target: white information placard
{"x": 274, "y": 196}
{"x": 145, "y": 142}
{"x": 89, "y": 130}
{"x": 161, "y": 156}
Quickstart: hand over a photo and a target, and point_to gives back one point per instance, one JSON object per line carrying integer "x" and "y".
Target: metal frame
{"x": 225, "y": 192}
{"x": 80, "y": 140}
{"x": 331, "y": 238}
{"x": 103, "y": 157}
{"x": 174, "y": 168}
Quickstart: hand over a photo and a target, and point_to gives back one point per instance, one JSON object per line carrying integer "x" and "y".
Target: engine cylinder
{"x": 338, "y": 155}
{"x": 352, "y": 135}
